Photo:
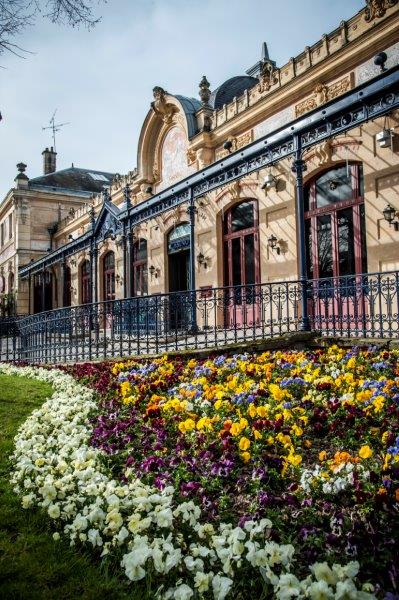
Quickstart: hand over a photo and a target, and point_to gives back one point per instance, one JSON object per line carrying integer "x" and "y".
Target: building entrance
{"x": 179, "y": 276}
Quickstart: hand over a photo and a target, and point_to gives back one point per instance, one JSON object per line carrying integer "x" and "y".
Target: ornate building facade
{"x": 246, "y": 230}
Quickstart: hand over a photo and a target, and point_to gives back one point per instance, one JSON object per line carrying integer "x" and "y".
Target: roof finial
{"x": 204, "y": 90}
{"x": 265, "y": 52}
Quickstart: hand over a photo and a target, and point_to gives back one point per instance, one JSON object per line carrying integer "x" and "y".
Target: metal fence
{"x": 353, "y": 306}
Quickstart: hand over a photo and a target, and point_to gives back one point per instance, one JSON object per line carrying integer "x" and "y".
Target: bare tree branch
{"x": 16, "y": 15}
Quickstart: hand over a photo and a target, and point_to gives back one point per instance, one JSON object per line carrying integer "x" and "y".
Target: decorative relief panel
{"x": 174, "y": 158}
{"x": 273, "y": 123}
{"x": 323, "y": 93}
{"x": 377, "y": 8}
{"x": 368, "y": 69}
{"x": 238, "y": 142}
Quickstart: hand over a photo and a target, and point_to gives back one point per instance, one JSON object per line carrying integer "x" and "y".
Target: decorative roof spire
{"x": 265, "y": 52}
{"x": 265, "y": 59}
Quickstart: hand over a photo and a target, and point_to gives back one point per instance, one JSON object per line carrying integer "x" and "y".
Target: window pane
{"x": 226, "y": 260}
{"x": 242, "y": 216}
{"x": 309, "y": 256}
{"x": 140, "y": 250}
{"x": 346, "y": 254}
{"x": 325, "y": 246}
{"x": 363, "y": 238}
{"x": 249, "y": 247}
{"x": 334, "y": 186}
{"x": 236, "y": 258}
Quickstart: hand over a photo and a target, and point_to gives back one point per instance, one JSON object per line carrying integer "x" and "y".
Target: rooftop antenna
{"x": 54, "y": 127}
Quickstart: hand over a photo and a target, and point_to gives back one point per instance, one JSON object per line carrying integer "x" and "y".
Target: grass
{"x": 32, "y": 565}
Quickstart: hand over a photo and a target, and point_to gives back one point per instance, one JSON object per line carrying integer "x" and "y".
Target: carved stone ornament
{"x": 204, "y": 90}
{"x": 191, "y": 156}
{"x": 377, "y": 8}
{"x": 323, "y": 93}
{"x": 323, "y": 153}
{"x": 268, "y": 76}
{"x": 162, "y": 108}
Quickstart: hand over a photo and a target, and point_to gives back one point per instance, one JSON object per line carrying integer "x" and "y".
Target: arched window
{"x": 109, "y": 276}
{"x": 10, "y": 282}
{"x": 335, "y": 223}
{"x": 179, "y": 257}
{"x": 85, "y": 294}
{"x": 139, "y": 268}
{"x": 241, "y": 244}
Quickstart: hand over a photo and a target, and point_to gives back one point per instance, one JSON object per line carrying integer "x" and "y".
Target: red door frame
{"x": 109, "y": 276}
{"x": 139, "y": 268}
{"x": 349, "y": 310}
{"x": 85, "y": 282}
{"x": 244, "y": 313}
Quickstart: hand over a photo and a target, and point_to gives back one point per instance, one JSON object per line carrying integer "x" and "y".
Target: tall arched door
{"x": 336, "y": 243}
{"x": 109, "y": 276}
{"x": 139, "y": 268}
{"x": 85, "y": 294}
{"x": 241, "y": 262}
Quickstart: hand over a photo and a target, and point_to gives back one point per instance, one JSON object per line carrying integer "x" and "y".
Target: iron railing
{"x": 353, "y": 306}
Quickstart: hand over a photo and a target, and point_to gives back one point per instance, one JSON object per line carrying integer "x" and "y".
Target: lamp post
{"x": 298, "y": 167}
{"x": 191, "y": 210}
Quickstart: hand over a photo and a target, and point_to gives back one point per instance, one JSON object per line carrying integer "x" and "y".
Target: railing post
{"x": 193, "y": 304}
{"x": 298, "y": 167}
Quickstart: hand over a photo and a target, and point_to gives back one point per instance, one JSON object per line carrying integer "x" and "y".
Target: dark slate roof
{"x": 74, "y": 179}
{"x": 230, "y": 89}
{"x": 190, "y": 107}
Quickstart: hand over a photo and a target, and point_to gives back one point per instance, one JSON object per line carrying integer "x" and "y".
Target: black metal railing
{"x": 353, "y": 306}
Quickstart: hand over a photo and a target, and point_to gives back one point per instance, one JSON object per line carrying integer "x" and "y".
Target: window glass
{"x": 346, "y": 254}
{"x": 242, "y": 216}
{"x": 325, "y": 246}
{"x": 334, "y": 186}
{"x": 236, "y": 259}
{"x": 249, "y": 249}
{"x": 109, "y": 261}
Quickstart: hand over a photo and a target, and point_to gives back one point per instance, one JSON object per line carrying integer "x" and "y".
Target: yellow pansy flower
{"x": 365, "y": 452}
{"x": 245, "y": 456}
{"x": 244, "y": 444}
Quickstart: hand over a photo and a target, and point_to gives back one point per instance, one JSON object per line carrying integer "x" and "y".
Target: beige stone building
{"x": 30, "y": 216}
{"x": 245, "y": 231}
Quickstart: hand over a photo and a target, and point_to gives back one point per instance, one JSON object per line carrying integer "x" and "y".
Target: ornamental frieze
{"x": 237, "y": 142}
{"x": 377, "y": 8}
{"x": 324, "y": 93}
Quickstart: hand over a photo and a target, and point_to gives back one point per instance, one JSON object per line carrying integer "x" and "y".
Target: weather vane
{"x": 54, "y": 127}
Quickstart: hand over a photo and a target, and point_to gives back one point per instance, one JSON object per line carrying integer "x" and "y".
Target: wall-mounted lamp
{"x": 148, "y": 190}
{"x": 269, "y": 182}
{"x": 273, "y": 243}
{"x": 228, "y": 145}
{"x": 390, "y": 213}
{"x": 153, "y": 271}
{"x": 73, "y": 262}
{"x": 384, "y": 138}
{"x": 380, "y": 59}
{"x": 118, "y": 279}
{"x": 70, "y": 237}
{"x": 202, "y": 260}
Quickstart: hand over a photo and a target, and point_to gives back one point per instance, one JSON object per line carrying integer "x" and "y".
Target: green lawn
{"x": 32, "y": 564}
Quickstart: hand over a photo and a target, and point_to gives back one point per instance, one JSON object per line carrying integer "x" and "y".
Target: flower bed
{"x": 273, "y": 474}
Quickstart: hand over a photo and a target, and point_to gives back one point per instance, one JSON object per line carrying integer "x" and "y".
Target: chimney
{"x": 49, "y": 160}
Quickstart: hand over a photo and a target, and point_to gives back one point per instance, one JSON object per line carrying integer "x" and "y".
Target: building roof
{"x": 190, "y": 107}
{"x": 230, "y": 89}
{"x": 78, "y": 180}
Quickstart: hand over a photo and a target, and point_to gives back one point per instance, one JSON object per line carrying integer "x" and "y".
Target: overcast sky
{"x": 101, "y": 81}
